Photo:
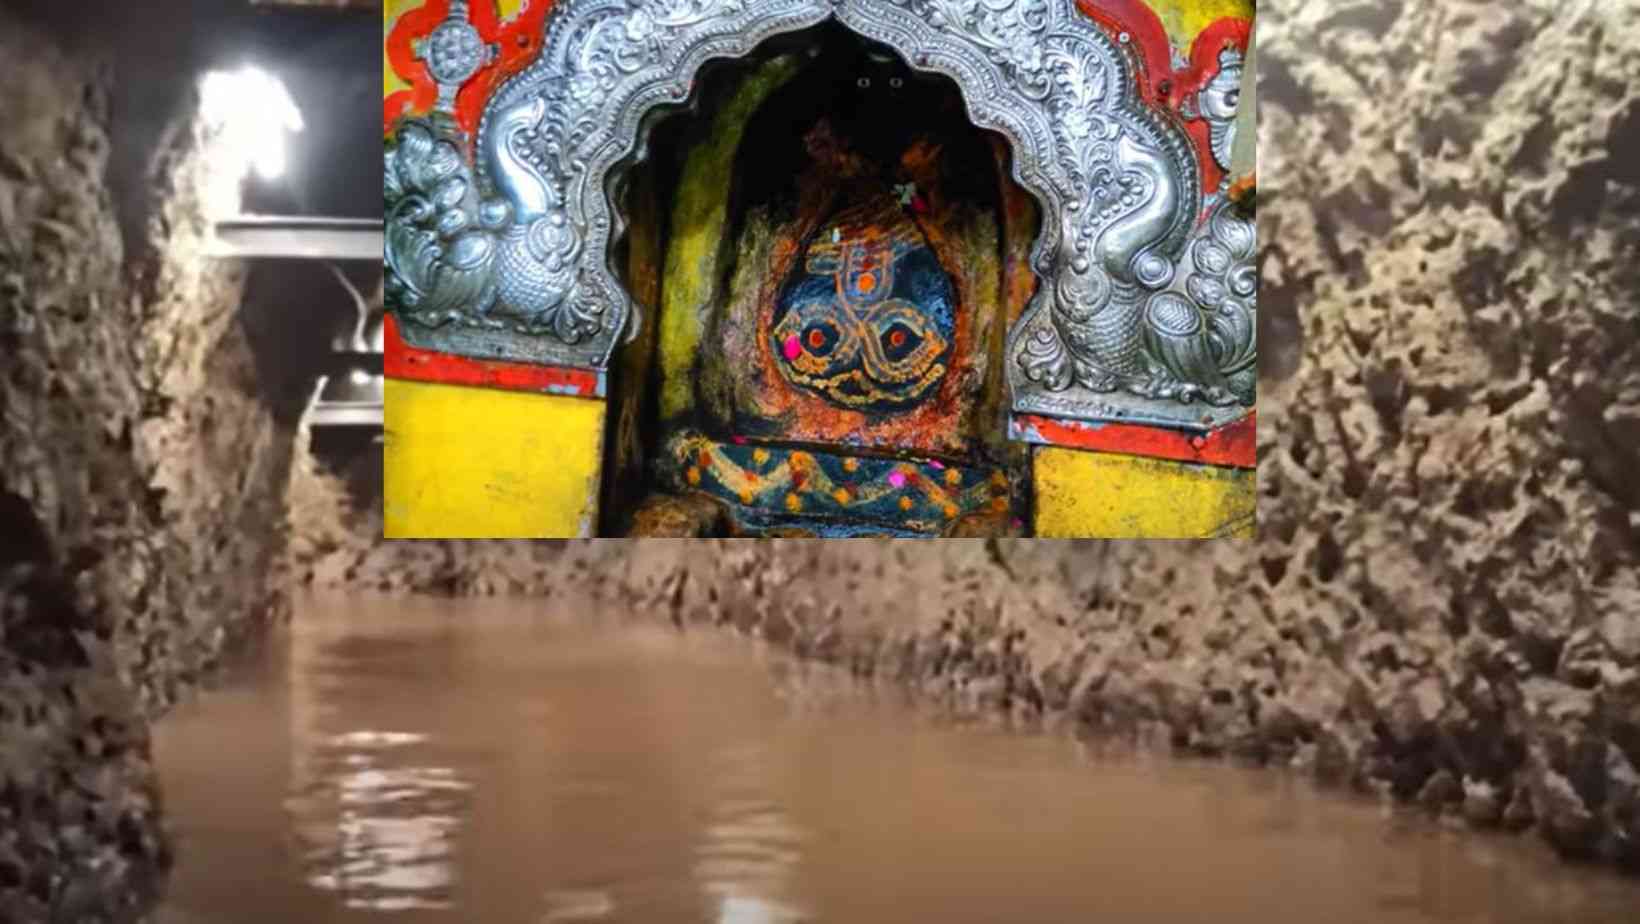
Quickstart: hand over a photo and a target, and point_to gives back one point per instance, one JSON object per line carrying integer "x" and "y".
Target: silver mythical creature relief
{"x": 507, "y": 255}
{"x": 1217, "y": 103}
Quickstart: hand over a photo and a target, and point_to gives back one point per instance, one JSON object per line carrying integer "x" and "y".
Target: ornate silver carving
{"x": 453, "y": 53}
{"x": 1217, "y": 103}
{"x": 509, "y": 256}
{"x": 1203, "y": 329}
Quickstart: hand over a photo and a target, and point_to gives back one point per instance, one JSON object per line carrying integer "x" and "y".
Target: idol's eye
{"x": 899, "y": 341}
{"x": 863, "y": 83}
{"x": 896, "y": 82}
{"x": 819, "y": 339}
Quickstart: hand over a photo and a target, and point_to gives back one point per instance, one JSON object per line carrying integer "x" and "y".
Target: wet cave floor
{"x": 494, "y": 761}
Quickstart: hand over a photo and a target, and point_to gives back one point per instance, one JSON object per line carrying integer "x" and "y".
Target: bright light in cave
{"x": 247, "y": 114}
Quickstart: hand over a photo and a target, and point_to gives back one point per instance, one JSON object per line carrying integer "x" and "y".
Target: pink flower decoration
{"x": 896, "y": 478}
{"x": 792, "y": 348}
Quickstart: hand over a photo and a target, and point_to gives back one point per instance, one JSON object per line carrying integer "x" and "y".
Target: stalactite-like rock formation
{"x": 141, "y": 482}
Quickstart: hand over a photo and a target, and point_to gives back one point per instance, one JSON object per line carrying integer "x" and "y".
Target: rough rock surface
{"x": 1443, "y": 605}
{"x": 1447, "y": 506}
{"x": 336, "y": 544}
{"x": 1444, "y": 602}
{"x": 141, "y": 484}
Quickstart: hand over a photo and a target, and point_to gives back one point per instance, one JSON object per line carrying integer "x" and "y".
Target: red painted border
{"x": 1234, "y": 444}
{"x": 1148, "y": 37}
{"x": 403, "y": 361}
{"x": 516, "y": 40}
{"x": 1204, "y": 55}
{"x": 411, "y": 25}
{"x": 1161, "y": 85}
{"x": 517, "y": 43}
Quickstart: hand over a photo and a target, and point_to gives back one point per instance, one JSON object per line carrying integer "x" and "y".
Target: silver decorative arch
{"x": 509, "y": 257}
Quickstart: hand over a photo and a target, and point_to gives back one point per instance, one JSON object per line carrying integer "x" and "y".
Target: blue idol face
{"x": 868, "y": 317}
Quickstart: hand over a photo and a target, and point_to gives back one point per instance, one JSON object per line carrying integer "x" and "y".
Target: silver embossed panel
{"x": 1145, "y": 312}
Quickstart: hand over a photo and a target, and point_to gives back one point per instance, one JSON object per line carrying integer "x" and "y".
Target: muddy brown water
{"x": 391, "y": 760}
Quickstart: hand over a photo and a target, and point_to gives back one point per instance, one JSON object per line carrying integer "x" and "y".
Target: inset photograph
{"x": 820, "y": 269}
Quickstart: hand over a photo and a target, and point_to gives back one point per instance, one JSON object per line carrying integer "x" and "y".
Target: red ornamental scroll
{"x": 516, "y": 42}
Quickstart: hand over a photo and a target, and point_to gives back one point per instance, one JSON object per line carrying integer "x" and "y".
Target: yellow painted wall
{"x": 480, "y": 463}
{"x": 699, "y": 213}
{"x": 1185, "y": 19}
{"x": 468, "y": 463}
{"x": 391, "y": 11}
{"x": 1081, "y": 494}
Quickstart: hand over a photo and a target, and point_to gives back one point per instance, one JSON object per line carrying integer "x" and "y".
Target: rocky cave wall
{"x": 1443, "y": 604}
{"x": 141, "y": 479}
{"x": 335, "y": 544}
{"x": 1444, "y": 600}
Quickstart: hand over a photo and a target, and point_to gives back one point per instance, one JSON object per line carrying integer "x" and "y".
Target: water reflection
{"x": 749, "y": 849}
{"x": 389, "y": 864}
{"x": 376, "y": 824}
{"x": 741, "y": 909}
{"x": 395, "y": 831}
{"x": 435, "y": 762}
{"x": 570, "y": 905}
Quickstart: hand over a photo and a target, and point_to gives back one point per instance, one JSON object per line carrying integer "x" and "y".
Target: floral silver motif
{"x": 508, "y": 255}
{"x": 1224, "y": 285}
{"x": 453, "y": 53}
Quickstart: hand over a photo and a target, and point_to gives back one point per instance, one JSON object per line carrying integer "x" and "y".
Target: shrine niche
{"x": 860, "y": 307}
{"x": 825, "y": 347}
{"x": 836, "y": 263}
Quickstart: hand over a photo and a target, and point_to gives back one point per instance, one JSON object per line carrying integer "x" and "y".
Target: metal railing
{"x": 271, "y": 236}
{"x": 336, "y": 402}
